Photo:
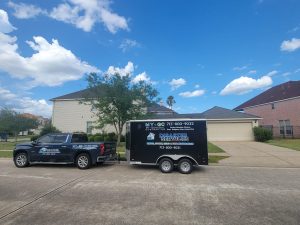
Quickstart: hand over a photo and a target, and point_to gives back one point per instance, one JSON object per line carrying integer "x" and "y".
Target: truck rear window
{"x": 79, "y": 138}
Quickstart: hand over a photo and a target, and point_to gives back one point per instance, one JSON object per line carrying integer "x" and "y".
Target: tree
{"x": 49, "y": 128}
{"x": 170, "y": 101}
{"x": 117, "y": 99}
{"x": 13, "y": 122}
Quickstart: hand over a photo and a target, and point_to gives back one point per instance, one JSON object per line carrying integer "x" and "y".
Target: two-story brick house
{"x": 279, "y": 107}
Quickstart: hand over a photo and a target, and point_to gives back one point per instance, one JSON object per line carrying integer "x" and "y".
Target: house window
{"x": 281, "y": 125}
{"x": 89, "y": 127}
{"x": 288, "y": 127}
{"x": 273, "y": 107}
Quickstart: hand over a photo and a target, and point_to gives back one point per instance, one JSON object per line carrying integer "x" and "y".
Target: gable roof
{"x": 28, "y": 115}
{"x": 74, "y": 95}
{"x": 287, "y": 90}
{"x": 213, "y": 113}
{"x": 159, "y": 108}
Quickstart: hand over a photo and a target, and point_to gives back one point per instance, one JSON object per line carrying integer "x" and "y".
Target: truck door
{"x": 38, "y": 151}
{"x": 59, "y": 148}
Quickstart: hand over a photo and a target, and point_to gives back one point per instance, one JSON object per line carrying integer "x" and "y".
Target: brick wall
{"x": 286, "y": 110}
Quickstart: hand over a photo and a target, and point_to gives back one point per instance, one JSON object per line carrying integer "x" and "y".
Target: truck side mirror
{"x": 34, "y": 143}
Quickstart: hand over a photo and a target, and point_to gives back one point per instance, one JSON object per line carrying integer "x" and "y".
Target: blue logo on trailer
{"x": 150, "y": 136}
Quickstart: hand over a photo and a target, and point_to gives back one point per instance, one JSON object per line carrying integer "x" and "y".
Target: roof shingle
{"x": 287, "y": 90}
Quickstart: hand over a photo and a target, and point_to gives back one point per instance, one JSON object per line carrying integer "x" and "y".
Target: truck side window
{"x": 46, "y": 139}
{"x": 79, "y": 138}
{"x": 60, "y": 138}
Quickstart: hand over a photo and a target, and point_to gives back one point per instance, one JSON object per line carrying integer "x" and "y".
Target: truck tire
{"x": 83, "y": 161}
{"x": 166, "y": 165}
{"x": 21, "y": 160}
{"x": 185, "y": 166}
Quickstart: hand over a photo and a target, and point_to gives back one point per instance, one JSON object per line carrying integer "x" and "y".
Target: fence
{"x": 284, "y": 132}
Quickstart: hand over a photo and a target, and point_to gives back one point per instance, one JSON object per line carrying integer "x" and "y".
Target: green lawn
{"x": 216, "y": 159}
{"x": 9, "y": 145}
{"x": 21, "y": 137}
{"x": 287, "y": 143}
{"x": 213, "y": 149}
{"x": 6, "y": 154}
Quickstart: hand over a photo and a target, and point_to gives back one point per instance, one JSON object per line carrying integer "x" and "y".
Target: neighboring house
{"x": 69, "y": 116}
{"x": 42, "y": 121}
{"x": 279, "y": 107}
{"x": 222, "y": 124}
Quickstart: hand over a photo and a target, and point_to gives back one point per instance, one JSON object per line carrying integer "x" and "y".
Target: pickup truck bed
{"x": 64, "y": 148}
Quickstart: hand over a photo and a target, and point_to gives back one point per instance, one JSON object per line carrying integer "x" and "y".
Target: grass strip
{"x": 6, "y": 154}
{"x": 286, "y": 143}
{"x": 216, "y": 159}
{"x": 213, "y": 148}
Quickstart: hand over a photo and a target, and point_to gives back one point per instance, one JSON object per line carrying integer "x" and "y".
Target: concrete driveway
{"x": 251, "y": 153}
{"x": 125, "y": 194}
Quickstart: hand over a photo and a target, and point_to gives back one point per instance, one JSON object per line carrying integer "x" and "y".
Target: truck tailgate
{"x": 110, "y": 148}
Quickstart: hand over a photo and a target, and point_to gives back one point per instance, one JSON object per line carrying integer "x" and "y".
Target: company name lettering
{"x": 173, "y": 137}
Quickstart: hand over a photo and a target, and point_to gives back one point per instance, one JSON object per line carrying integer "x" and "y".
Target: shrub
{"x": 30, "y": 132}
{"x": 97, "y": 138}
{"x": 122, "y": 139}
{"x": 78, "y": 132}
{"x": 112, "y": 136}
{"x": 107, "y": 138}
{"x": 90, "y": 135}
{"x": 262, "y": 134}
{"x": 49, "y": 128}
{"x": 91, "y": 138}
{"x": 33, "y": 138}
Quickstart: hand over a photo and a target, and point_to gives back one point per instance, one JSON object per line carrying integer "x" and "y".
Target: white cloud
{"x": 197, "y": 86}
{"x": 52, "y": 65}
{"x": 189, "y": 94}
{"x": 177, "y": 83}
{"x": 127, "y": 43}
{"x": 85, "y": 13}
{"x": 129, "y": 68}
{"x": 219, "y": 74}
{"x": 296, "y": 71}
{"x": 24, "y": 11}
{"x": 214, "y": 92}
{"x": 5, "y": 25}
{"x": 240, "y": 68}
{"x": 143, "y": 76}
{"x": 251, "y": 72}
{"x": 286, "y": 74}
{"x": 293, "y": 30}
{"x": 25, "y": 104}
{"x": 290, "y": 45}
{"x": 244, "y": 85}
{"x": 277, "y": 64}
{"x": 272, "y": 73}
{"x": 202, "y": 66}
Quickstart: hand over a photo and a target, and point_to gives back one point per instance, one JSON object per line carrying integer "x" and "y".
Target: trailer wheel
{"x": 83, "y": 161}
{"x": 166, "y": 165}
{"x": 185, "y": 166}
{"x": 21, "y": 160}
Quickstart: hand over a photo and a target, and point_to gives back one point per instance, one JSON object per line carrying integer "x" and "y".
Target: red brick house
{"x": 279, "y": 107}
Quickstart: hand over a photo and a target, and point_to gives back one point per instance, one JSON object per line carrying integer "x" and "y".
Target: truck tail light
{"x": 102, "y": 148}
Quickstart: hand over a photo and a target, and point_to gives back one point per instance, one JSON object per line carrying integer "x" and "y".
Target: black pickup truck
{"x": 64, "y": 148}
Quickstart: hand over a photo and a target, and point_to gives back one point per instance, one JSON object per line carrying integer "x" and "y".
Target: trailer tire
{"x": 166, "y": 165}
{"x": 21, "y": 160}
{"x": 185, "y": 166}
{"x": 83, "y": 161}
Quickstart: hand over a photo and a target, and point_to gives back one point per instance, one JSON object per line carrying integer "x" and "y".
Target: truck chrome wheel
{"x": 21, "y": 160}
{"x": 185, "y": 166}
{"x": 83, "y": 161}
{"x": 166, "y": 165}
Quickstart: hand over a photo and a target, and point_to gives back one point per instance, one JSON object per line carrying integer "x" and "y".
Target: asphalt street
{"x": 124, "y": 194}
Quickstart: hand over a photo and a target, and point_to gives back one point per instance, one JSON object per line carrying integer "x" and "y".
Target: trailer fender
{"x": 176, "y": 157}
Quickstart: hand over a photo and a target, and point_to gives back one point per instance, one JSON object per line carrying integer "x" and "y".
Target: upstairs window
{"x": 273, "y": 107}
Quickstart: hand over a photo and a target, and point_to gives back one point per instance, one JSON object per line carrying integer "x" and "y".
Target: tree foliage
{"x": 49, "y": 128}
{"x": 117, "y": 99}
{"x": 13, "y": 122}
{"x": 170, "y": 101}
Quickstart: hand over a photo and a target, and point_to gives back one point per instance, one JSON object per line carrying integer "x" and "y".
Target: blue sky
{"x": 204, "y": 53}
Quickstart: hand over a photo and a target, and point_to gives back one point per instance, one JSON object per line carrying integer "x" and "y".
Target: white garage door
{"x": 229, "y": 131}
